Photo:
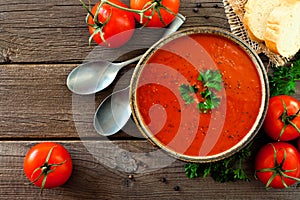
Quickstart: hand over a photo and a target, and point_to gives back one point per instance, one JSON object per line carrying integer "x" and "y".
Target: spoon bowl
{"x": 113, "y": 113}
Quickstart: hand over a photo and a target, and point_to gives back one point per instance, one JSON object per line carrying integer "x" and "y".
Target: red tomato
{"x": 298, "y": 144}
{"x": 164, "y": 9}
{"x": 282, "y": 119}
{"x": 57, "y": 168}
{"x": 285, "y": 171}
{"x": 116, "y": 25}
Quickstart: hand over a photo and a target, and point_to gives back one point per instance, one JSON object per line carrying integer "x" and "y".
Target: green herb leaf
{"x": 191, "y": 170}
{"x": 211, "y": 79}
{"x": 186, "y": 92}
{"x": 229, "y": 169}
{"x": 211, "y": 101}
{"x": 283, "y": 79}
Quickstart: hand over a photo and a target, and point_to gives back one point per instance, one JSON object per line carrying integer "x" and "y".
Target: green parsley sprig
{"x": 212, "y": 80}
{"x": 283, "y": 79}
{"x": 186, "y": 92}
{"x": 211, "y": 101}
{"x": 229, "y": 169}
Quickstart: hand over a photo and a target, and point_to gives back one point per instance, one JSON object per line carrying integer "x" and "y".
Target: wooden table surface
{"x": 40, "y": 43}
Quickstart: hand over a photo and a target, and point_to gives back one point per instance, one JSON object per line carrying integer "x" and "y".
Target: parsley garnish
{"x": 186, "y": 92}
{"x": 211, "y": 101}
{"x": 283, "y": 79}
{"x": 211, "y": 81}
{"x": 229, "y": 169}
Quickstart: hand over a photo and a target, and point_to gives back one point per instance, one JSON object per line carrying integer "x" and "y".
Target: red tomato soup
{"x": 181, "y": 127}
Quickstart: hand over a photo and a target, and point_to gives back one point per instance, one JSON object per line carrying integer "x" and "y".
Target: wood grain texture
{"x": 93, "y": 180}
{"x": 36, "y": 103}
{"x": 55, "y": 31}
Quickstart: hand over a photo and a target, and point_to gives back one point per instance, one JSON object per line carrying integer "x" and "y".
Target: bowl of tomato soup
{"x": 200, "y": 94}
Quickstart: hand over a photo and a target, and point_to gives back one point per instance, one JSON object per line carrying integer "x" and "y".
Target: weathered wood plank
{"x": 36, "y": 103}
{"x": 55, "y": 31}
{"x": 92, "y": 180}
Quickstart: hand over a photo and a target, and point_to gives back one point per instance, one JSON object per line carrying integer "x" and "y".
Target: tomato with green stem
{"x": 277, "y": 165}
{"x": 48, "y": 165}
{"x": 110, "y": 26}
{"x": 282, "y": 121}
{"x": 158, "y": 13}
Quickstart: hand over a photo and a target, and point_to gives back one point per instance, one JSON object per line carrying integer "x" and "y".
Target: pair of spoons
{"x": 92, "y": 77}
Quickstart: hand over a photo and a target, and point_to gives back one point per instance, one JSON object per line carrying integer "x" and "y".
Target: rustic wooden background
{"x": 40, "y": 43}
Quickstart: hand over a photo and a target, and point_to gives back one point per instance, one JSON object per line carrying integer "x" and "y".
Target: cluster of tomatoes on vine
{"x": 277, "y": 164}
{"x": 111, "y": 22}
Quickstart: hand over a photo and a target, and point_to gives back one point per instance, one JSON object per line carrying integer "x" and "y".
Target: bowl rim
{"x": 260, "y": 68}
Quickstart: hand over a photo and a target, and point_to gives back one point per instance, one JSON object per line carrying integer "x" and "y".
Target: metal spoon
{"x": 94, "y": 76}
{"x": 114, "y": 111}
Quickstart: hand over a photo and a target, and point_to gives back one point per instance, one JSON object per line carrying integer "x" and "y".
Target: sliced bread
{"x": 256, "y": 16}
{"x": 282, "y": 34}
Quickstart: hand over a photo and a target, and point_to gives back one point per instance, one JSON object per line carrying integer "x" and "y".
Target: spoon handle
{"x": 174, "y": 26}
{"x": 127, "y": 62}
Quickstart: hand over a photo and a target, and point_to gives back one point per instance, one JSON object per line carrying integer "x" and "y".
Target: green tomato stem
{"x": 49, "y": 155}
{"x": 140, "y": 12}
{"x": 290, "y": 118}
{"x": 287, "y": 120}
{"x": 87, "y": 8}
{"x": 155, "y": 5}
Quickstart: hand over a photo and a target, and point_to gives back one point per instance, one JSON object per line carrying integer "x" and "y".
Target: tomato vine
{"x": 154, "y": 6}
{"x": 287, "y": 120}
{"x": 147, "y": 12}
